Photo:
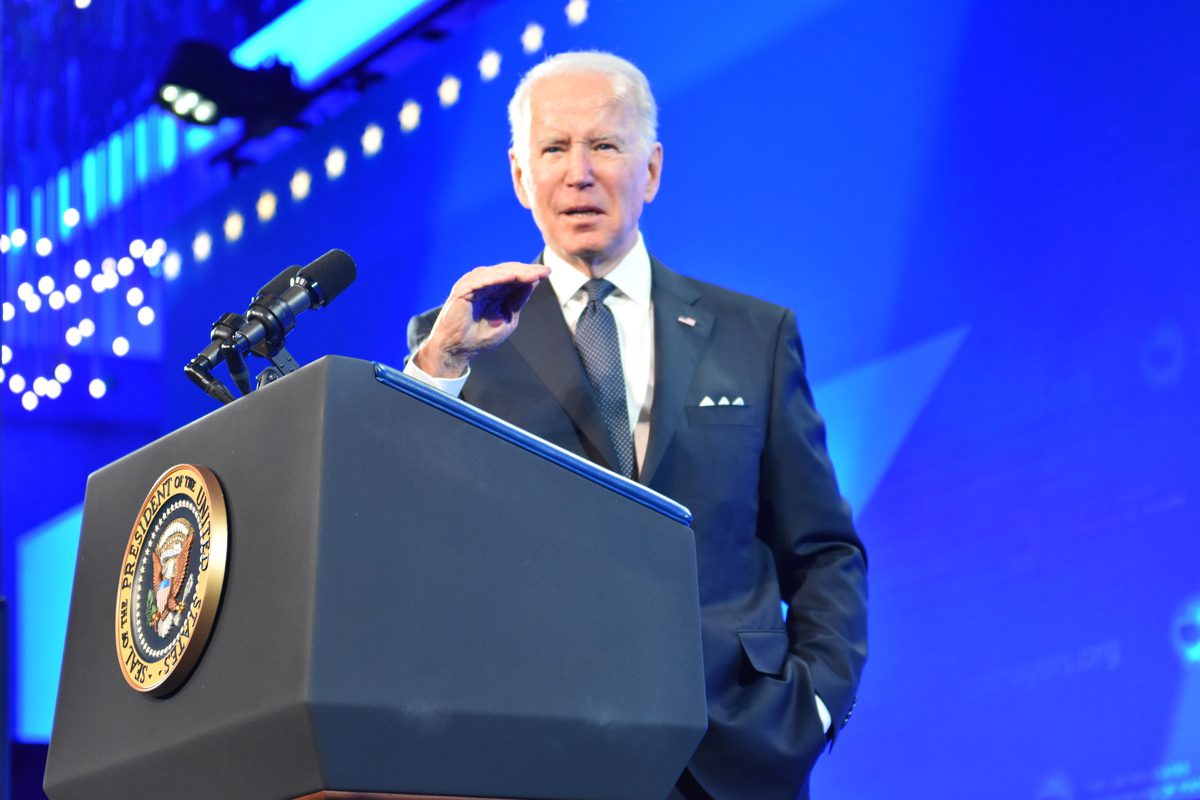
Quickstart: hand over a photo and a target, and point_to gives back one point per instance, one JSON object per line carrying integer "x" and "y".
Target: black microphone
{"x": 276, "y": 286}
{"x": 327, "y": 277}
{"x": 271, "y": 317}
{"x": 260, "y": 305}
{"x": 199, "y": 369}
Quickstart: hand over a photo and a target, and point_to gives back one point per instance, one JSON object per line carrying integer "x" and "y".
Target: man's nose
{"x": 579, "y": 167}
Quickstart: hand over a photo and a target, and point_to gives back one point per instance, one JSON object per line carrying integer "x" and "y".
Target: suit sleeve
{"x": 819, "y": 558}
{"x": 419, "y": 328}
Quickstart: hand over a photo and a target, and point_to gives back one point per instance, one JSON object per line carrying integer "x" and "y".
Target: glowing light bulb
{"x": 186, "y": 102}
{"x": 74, "y": 337}
{"x": 577, "y": 12}
{"x": 83, "y": 268}
{"x": 299, "y": 184}
{"x": 489, "y": 65}
{"x": 145, "y": 315}
{"x": 16, "y": 384}
{"x": 62, "y": 373}
{"x": 202, "y": 246}
{"x": 71, "y": 217}
{"x": 45, "y": 284}
{"x": 265, "y": 207}
{"x": 56, "y": 300}
{"x": 137, "y": 248}
{"x": 372, "y": 140}
{"x": 29, "y": 401}
{"x": 73, "y": 293}
{"x": 86, "y": 327}
{"x": 335, "y": 163}
{"x": 120, "y": 346}
{"x": 124, "y": 268}
{"x": 97, "y": 388}
{"x": 205, "y": 111}
{"x": 448, "y": 91}
{"x": 172, "y": 264}
{"x": 234, "y": 225}
{"x": 135, "y": 297}
{"x": 43, "y": 247}
{"x": 531, "y": 38}
{"x": 410, "y": 116}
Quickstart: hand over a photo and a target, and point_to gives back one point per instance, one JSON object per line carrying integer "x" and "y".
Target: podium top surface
{"x": 468, "y": 413}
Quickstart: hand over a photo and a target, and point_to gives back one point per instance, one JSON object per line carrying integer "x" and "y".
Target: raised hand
{"x": 481, "y": 312}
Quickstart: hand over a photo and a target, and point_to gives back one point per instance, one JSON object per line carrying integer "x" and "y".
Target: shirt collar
{"x": 631, "y": 276}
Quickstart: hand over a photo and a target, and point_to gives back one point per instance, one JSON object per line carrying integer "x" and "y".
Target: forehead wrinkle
{"x": 588, "y": 138}
{"x": 597, "y": 130}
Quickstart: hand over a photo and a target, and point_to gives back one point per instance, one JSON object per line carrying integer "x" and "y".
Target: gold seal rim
{"x": 209, "y": 588}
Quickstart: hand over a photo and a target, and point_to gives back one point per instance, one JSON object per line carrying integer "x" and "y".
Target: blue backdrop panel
{"x": 985, "y": 217}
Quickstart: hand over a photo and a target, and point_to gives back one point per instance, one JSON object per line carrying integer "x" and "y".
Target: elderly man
{"x": 695, "y": 391}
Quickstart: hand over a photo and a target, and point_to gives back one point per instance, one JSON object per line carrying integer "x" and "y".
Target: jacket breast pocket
{"x": 721, "y": 415}
{"x": 765, "y": 650}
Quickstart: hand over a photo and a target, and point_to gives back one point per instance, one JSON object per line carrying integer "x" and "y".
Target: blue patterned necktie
{"x": 596, "y": 340}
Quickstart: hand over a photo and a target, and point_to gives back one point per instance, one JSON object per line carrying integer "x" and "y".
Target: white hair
{"x": 629, "y": 86}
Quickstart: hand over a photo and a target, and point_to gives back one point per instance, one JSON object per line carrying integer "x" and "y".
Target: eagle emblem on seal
{"x": 164, "y": 604}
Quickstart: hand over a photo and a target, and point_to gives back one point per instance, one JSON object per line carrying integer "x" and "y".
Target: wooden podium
{"x": 420, "y": 600}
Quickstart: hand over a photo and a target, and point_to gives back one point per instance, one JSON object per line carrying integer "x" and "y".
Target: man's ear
{"x": 654, "y": 168}
{"x": 518, "y": 176}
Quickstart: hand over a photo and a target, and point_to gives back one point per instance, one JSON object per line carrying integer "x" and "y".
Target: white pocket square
{"x": 724, "y": 401}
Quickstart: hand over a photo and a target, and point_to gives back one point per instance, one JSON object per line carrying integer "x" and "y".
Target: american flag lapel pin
{"x": 689, "y": 321}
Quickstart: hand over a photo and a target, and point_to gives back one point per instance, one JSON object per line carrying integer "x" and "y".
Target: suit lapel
{"x": 544, "y": 341}
{"x": 677, "y": 350}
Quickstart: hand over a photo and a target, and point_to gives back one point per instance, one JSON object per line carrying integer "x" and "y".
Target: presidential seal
{"x": 171, "y": 578}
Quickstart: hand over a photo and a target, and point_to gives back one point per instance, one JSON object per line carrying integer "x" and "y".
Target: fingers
{"x": 511, "y": 272}
{"x": 479, "y": 314}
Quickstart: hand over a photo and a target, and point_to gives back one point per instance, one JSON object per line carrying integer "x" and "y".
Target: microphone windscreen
{"x": 278, "y": 285}
{"x": 331, "y": 273}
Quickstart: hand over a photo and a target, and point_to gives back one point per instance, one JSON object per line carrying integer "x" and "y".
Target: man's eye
{"x": 606, "y": 146}
{"x": 554, "y": 148}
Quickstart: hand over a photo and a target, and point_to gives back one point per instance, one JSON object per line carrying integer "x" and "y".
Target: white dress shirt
{"x": 634, "y": 314}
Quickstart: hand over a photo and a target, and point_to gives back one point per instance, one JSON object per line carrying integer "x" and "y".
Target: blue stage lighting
{"x": 316, "y": 35}
{"x": 45, "y": 560}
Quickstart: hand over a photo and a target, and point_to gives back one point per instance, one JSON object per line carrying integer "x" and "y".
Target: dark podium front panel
{"x": 419, "y": 599}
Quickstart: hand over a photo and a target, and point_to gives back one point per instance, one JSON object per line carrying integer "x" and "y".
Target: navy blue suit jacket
{"x": 768, "y": 519}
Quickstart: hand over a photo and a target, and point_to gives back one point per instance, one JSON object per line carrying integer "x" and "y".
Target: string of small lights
{"x": 160, "y": 262}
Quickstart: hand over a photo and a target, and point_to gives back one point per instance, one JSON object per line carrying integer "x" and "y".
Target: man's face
{"x": 587, "y": 177}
